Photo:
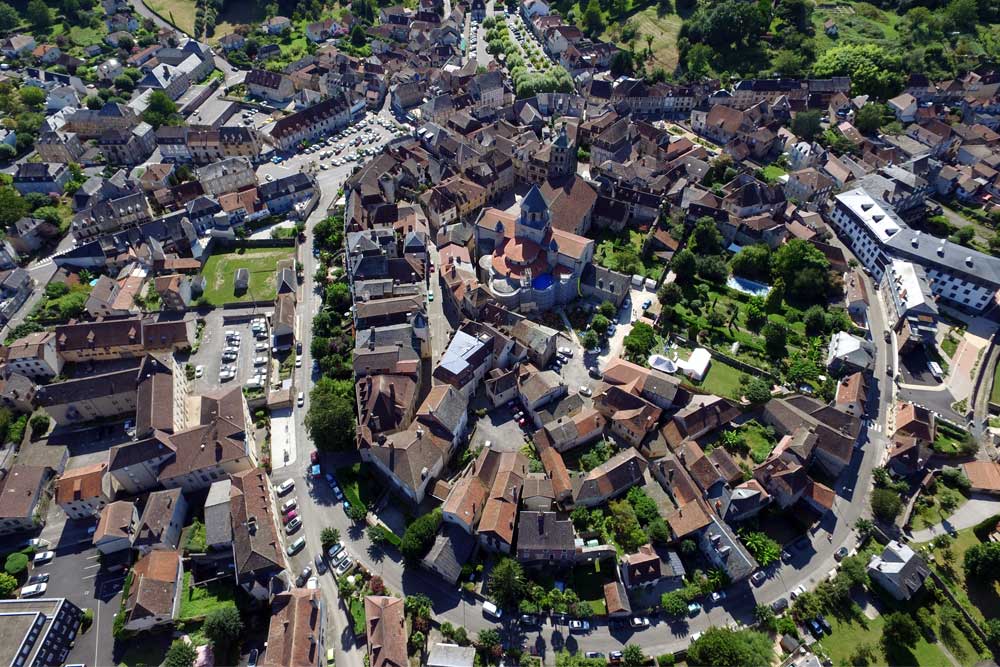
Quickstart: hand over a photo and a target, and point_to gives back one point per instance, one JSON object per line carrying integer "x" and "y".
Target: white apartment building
{"x": 957, "y": 274}
{"x": 906, "y": 289}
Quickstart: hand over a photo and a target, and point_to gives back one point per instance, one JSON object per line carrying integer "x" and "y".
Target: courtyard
{"x": 261, "y": 265}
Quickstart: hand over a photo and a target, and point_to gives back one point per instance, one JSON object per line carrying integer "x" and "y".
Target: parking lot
{"x": 211, "y": 357}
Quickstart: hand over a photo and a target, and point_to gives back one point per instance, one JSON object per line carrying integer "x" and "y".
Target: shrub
{"x": 39, "y": 426}
{"x": 16, "y": 564}
{"x": 419, "y": 535}
{"x": 87, "y": 620}
{"x": 665, "y": 660}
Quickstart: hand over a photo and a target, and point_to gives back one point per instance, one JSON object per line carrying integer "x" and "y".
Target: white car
{"x": 346, "y": 565}
{"x": 313, "y": 583}
{"x": 585, "y": 390}
{"x": 34, "y": 590}
{"x": 285, "y": 487}
{"x": 301, "y": 400}
{"x": 268, "y": 178}
{"x": 199, "y": 371}
{"x": 298, "y": 361}
{"x": 799, "y": 590}
{"x": 566, "y": 351}
{"x": 289, "y": 505}
{"x": 259, "y": 361}
{"x": 43, "y": 557}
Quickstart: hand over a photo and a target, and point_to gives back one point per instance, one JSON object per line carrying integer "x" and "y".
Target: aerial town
{"x": 458, "y": 333}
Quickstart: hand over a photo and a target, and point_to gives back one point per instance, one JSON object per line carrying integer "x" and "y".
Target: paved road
{"x": 979, "y": 508}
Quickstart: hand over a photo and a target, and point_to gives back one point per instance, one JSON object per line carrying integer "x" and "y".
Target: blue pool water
{"x": 543, "y": 281}
{"x": 748, "y": 286}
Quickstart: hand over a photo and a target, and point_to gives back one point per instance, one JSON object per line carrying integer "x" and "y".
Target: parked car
{"x": 823, "y": 623}
{"x": 594, "y": 373}
{"x": 758, "y": 578}
{"x": 313, "y": 582}
{"x": 344, "y": 566}
{"x": 814, "y": 628}
{"x": 303, "y": 576}
{"x": 694, "y": 609}
{"x": 289, "y": 516}
{"x": 293, "y": 525}
{"x": 199, "y": 371}
{"x": 43, "y": 557}
{"x": 577, "y": 625}
{"x": 252, "y": 661}
{"x": 296, "y": 546}
{"x": 615, "y": 656}
{"x": 34, "y": 590}
{"x": 779, "y": 605}
{"x": 320, "y": 564}
{"x": 718, "y": 596}
{"x": 594, "y": 655}
{"x": 334, "y": 550}
{"x": 840, "y": 554}
{"x": 286, "y": 486}
{"x": 529, "y": 620}
{"x": 39, "y": 578}
{"x": 301, "y": 400}
{"x": 797, "y": 591}
{"x": 289, "y": 505}
{"x": 639, "y": 622}
{"x": 585, "y": 390}
{"x": 566, "y": 351}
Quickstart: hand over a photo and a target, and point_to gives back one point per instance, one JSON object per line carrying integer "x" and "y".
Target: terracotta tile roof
{"x": 294, "y": 633}
{"x": 984, "y": 475}
{"x": 688, "y": 518}
{"x": 81, "y": 483}
{"x": 620, "y": 472}
{"x": 116, "y": 519}
{"x": 555, "y": 468}
{"x": 642, "y": 566}
{"x": 614, "y": 600}
{"x": 19, "y": 490}
{"x": 821, "y": 494}
{"x": 386, "y": 629}
{"x": 154, "y": 585}
{"x": 256, "y": 547}
{"x": 851, "y": 389}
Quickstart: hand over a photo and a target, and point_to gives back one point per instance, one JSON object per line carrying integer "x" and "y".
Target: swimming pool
{"x": 543, "y": 281}
{"x": 747, "y": 286}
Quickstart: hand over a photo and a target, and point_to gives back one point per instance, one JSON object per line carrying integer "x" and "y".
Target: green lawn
{"x": 857, "y": 23}
{"x": 262, "y": 263}
{"x": 87, "y": 36}
{"x": 933, "y": 514}
{"x": 588, "y": 582}
{"x": 199, "y": 601}
{"x": 948, "y": 439}
{"x": 613, "y": 253}
{"x": 760, "y": 441}
{"x": 234, "y": 14}
{"x": 721, "y": 380}
{"x": 179, "y": 12}
{"x": 358, "y": 614}
{"x": 847, "y": 635}
{"x": 773, "y": 172}
{"x": 949, "y": 345}
{"x": 358, "y": 485}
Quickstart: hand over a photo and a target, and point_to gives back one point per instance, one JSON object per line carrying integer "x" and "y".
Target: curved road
{"x": 808, "y": 565}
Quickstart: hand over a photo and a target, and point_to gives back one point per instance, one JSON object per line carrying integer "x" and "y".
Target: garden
{"x": 951, "y": 440}
{"x": 261, "y": 264}
{"x": 941, "y": 498}
{"x": 616, "y": 253}
{"x": 198, "y": 601}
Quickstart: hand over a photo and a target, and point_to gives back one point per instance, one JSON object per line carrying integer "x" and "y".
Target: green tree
{"x": 8, "y": 584}
{"x": 752, "y": 261}
{"x": 804, "y": 270}
{"x": 982, "y": 562}
{"x": 593, "y": 19}
{"x": 756, "y": 316}
{"x": 639, "y": 341}
{"x": 900, "y": 630}
{"x": 488, "y": 642}
{"x": 722, "y": 647}
{"x": 705, "y": 238}
{"x": 775, "y": 339}
{"x": 684, "y": 265}
{"x": 873, "y": 70}
{"x": 757, "y": 390}
{"x": 33, "y": 97}
{"x": 16, "y": 564}
{"x": 886, "y": 504}
{"x": 507, "y": 584}
{"x": 815, "y": 320}
{"x": 589, "y": 340}
{"x": 180, "y": 654}
{"x": 807, "y": 605}
{"x": 223, "y": 627}
{"x": 12, "y": 206}
{"x": 161, "y": 110}
{"x": 607, "y": 309}
{"x": 807, "y": 124}
{"x": 358, "y": 36}
{"x": 38, "y": 14}
{"x": 870, "y": 117}
{"x": 674, "y": 604}
{"x": 330, "y": 420}
{"x": 864, "y": 526}
{"x": 9, "y": 17}
{"x": 764, "y": 615}
{"x": 761, "y": 547}
{"x": 328, "y": 537}
{"x": 964, "y": 236}
{"x": 600, "y": 324}
{"x": 419, "y": 535}
{"x": 632, "y": 656}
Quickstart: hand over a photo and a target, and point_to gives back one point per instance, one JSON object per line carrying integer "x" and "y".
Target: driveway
{"x": 979, "y": 508}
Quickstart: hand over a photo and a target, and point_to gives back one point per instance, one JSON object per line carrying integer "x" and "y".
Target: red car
{"x": 314, "y": 456}
{"x": 291, "y": 515}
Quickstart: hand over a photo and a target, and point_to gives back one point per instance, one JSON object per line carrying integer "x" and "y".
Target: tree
{"x": 670, "y": 294}
{"x": 607, "y": 309}
{"x": 488, "y": 641}
{"x": 38, "y": 14}
{"x": 12, "y": 206}
{"x": 870, "y": 118}
{"x": 419, "y": 535}
{"x": 39, "y": 425}
{"x": 756, "y": 316}
{"x": 761, "y": 547}
{"x": 765, "y": 617}
{"x": 589, "y": 340}
{"x": 900, "y": 630}
{"x": 507, "y": 583}
{"x": 775, "y": 339}
{"x": 328, "y": 537}
{"x": 752, "y": 261}
{"x": 807, "y": 124}
{"x": 639, "y": 341}
{"x": 722, "y": 647}
{"x": 873, "y": 70}
{"x": 705, "y": 237}
{"x": 684, "y": 265}
{"x": 223, "y": 627}
{"x": 358, "y": 36}
{"x": 593, "y": 19}
{"x": 33, "y": 97}
{"x": 713, "y": 269}
{"x": 964, "y": 236}
{"x": 9, "y": 18}
{"x": 632, "y": 656}
{"x": 886, "y": 504}
{"x": 674, "y": 604}
{"x": 161, "y": 110}
{"x": 804, "y": 270}
{"x": 16, "y": 564}
{"x": 815, "y": 320}
{"x": 600, "y": 324}
{"x": 330, "y": 420}
{"x": 757, "y": 390}
{"x": 357, "y": 512}
{"x": 864, "y": 526}
{"x": 982, "y": 562}
{"x": 8, "y": 584}
{"x": 181, "y": 654}
{"x": 7, "y": 152}
{"x": 807, "y": 605}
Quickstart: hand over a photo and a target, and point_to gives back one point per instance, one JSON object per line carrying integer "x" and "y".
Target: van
{"x": 490, "y": 609}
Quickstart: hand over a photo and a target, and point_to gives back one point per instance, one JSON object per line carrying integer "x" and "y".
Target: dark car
{"x": 252, "y": 662}
{"x": 529, "y": 620}
{"x": 594, "y": 373}
{"x": 320, "y": 564}
{"x": 887, "y": 336}
{"x": 815, "y": 628}
{"x": 823, "y": 623}
{"x": 300, "y": 581}
{"x": 779, "y": 605}
{"x": 840, "y": 554}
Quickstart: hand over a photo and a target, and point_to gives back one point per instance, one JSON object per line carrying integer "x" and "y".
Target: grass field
{"x": 358, "y": 615}
{"x": 199, "y": 601}
{"x": 857, "y": 23}
{"x": 722, "y": 380}
{"x": 262, "y": 263}
{"x": 663, "y": 28}
{"x": 983, "y": 602}
{"x": 612, "y": 253}
{"x": 933, "y": 514}
{"x": 178, "y": 12}
{"x": 848, "y": 635}
{"x": 760, "y": 441}
{"x": 358, "y": 486}
{"x": 234, "y": 14}
{"x": 588, "y": 583}
{"x": 948, "y": 439}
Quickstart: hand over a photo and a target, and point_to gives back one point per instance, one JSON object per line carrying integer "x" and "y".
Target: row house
{"x": 319, "y": 120}
{"x": 110, "y": 216}
{"x": 91, "y": 123}
{"x": 128, "y": 147}
{"x": 228, "y": 175}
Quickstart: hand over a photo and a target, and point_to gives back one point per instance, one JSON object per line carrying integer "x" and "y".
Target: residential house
{"x": 849, "y": 353}
{"x": 17, "y": 46}
{"x": 154, "y": 597}
{"x": 631, "y": 417}
{"x": 43, "y": 177}
{"x": 899, "y": 570}
{"x": 135, "y": 466}
{"x": 34, "y": 356}
{"x": 915, "y": 421}
{"x": 118, "y": 523}
{"x": 904, "y": 106}
{"x": 161, "y": 521}
{"x": 271, "y": 86}
{"x": 257, "y": 552}
{"x": 21, "y": 491}
{"x": 610, "y": 479}
{"x": 984, "y": 476}
{"x": 852, "y": 395}
{"x": 90, "y": 397}
{"x": 545, "y": 538}
{"x": 322, "y": 119}
{"x": 276, "y": 25}
{"x": 228, "y": 175}
{"x": 385, "y": 628}
{"x": 84, "y": 491}
{"x": 295, "y": 636}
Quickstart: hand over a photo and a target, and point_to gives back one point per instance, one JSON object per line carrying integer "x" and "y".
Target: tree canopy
{"x": 804, "y": 270}
{"x": 330, "y": 420}
{"x": 722, "y": 647}
{"x": 873, "y": 70}
{"x": 507, "y": 584}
